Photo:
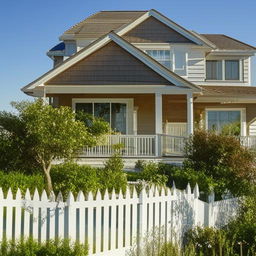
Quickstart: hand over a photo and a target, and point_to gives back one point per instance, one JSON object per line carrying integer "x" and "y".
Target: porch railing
{"x": 248, "y": 142}
{"x": 138, "y": 146}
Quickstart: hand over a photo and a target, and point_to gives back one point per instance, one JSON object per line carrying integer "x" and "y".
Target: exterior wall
{"x": 144, "y": 103}
{"x": 199, "y": 111}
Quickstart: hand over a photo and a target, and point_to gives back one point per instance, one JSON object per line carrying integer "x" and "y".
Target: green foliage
{"x": 243, "y": 228}
{"x": 30, "y": 247}
{"x": 15, "y": 180}
{"x": 73, "y": 177}
{"x": 112, "y": 175}
{"x": 222, "y": 157}
{"x": 231, "y": 129}
{"x": 16, "y": 147}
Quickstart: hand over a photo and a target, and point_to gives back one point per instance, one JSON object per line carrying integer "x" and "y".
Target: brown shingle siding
{"x": 108, "y": 66}
{"x": 152, "y": 30}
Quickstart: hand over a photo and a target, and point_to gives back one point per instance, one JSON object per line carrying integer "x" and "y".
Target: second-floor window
{"x": 223, "y": 70}
{"x": 162, "y": 56}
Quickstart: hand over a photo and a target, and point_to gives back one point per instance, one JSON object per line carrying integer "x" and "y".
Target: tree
{"x": 48, "y": 133}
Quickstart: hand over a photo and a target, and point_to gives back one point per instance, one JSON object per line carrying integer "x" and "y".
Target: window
{"x": 223, "y": 70}
{"x": 162, "y": 56}
{"x": 232, "y": 69}
{"x": 112, "y": 112}
{"x": 180, "y": 62}
{"x": 214, "y": 69}
{"x": 217, "y": 119}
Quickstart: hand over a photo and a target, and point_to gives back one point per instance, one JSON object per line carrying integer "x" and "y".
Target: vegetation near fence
{"x": 109, "y": 223}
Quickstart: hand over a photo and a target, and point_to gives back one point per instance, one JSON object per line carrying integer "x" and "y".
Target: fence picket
{"x": 113, "y": 222}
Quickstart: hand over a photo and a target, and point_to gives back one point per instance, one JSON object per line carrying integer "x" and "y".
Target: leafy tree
{"x": 47, "y": 134}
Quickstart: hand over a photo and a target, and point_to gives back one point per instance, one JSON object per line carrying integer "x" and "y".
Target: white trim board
{"x": 242, "y": 117}
{"x": 147, "y": 60}
{"x": 129, "y": 110}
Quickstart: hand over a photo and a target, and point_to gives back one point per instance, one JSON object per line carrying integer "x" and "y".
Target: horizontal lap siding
{"x": 196, "y": 66}
{"x": 174, "y": 108}
{"x": 109, "y": 65}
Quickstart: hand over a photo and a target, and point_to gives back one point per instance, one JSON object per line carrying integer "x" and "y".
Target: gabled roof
{"x": 121, "y": 22}
{"x": 140, "y": 55}
{"x": 224, "y": 42}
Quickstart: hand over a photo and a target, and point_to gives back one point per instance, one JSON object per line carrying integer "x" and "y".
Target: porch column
{"x": 190, "y": 115}
{"x": 158, "y": 113}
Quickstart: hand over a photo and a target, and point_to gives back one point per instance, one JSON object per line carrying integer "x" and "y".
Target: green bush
{"x": 15, "y": 180}
{"x": 30, "y": 247}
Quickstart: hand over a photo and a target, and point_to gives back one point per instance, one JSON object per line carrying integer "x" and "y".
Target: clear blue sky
{"x": 30, "y": 27}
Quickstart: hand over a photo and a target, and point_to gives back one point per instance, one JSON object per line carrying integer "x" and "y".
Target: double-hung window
{"x": 223, "y": 70}
{"x": 162, "y": 56}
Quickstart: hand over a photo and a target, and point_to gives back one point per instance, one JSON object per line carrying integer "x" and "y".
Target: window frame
{"x": 171, "y": 58}
{"x": 223, "y": 65}
{"x": 129, "y": 109}
{"x": 243, "y": 124}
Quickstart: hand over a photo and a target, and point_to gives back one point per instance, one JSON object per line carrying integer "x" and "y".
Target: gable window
{"x": 162, "y": 56}
{"x": 115, "y": 113}
{"x": 223, "y": 70}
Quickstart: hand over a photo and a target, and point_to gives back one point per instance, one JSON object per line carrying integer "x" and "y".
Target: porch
{"x": 149, "y": 146}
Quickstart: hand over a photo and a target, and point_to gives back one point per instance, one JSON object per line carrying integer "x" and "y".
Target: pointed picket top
{"x": 1, "y": 194}
{"x": 59, "y": 197}
{"x": 151, "y": 192}
{"x": 143, "y": 193}
{"x": 80, "y": 196}
{"x": 127, "y": 193}
{"x": 168, "y": 192}
{"x": 52, "y": 196}
{"x": 90, "y": 196}
{"x": 188, "y": 189}
{"x": 44, "y": 196}
{"x": 174, "y": 190}
{"x": 9, "y": 194}
{"x": 36, "y": 196}
{"x": 120, "y": 195}
{"x": 18, "y": 194}
{"x": 196, "y": 191}
{"x": 156, "y": 191}
{"x": 211, "y": 197}
{"x": 70, "y": 198}
{"x": 161, "y": 191}
{"x": 113, "y": 194}
{"x": 98, "y": 195}
{"x": 106, "y": 195}
{"x": 134, "y": 192}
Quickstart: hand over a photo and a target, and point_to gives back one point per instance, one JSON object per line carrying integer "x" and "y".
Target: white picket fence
{"x": 112, "y": 223}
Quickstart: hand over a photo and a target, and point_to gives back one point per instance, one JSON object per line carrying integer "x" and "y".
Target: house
{"x": 153, "y": 80}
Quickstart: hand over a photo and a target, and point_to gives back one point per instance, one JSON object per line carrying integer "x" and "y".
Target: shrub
{"x": 112, "y": 175}
{"x": 222, "y": 157}
{"x": 30, "y": 247}
{"x": 73, "y": 177}
{"x": 15, "y": 180}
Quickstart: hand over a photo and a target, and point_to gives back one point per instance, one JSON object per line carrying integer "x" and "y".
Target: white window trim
{"x": 241, "y": 68}
{"x": 242, "y": 117}
{"x": 129, "y": 109}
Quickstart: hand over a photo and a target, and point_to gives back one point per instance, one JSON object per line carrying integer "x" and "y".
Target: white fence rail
{"x": 112, "y": 223}
{"x": 248, "y": 142}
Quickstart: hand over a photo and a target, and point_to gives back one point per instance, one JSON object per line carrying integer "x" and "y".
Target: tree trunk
{"x": 48, "y": 178}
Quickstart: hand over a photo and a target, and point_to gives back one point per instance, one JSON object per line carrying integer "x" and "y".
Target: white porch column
{"x": 190, "y": 114}
{"x": 158, "y": 113}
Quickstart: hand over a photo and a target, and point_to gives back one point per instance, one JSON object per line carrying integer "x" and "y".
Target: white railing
{"x": 248, "y": 141}
{"x": 131, "y": 146}
{"x": 138, "y": 146}
{"x": 112, "y": 223}
{"x": 175, "y": 129}
{"x": 173, "y": 145}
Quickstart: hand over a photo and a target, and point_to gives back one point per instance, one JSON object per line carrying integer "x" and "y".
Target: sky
{"x": 29, "y": 28}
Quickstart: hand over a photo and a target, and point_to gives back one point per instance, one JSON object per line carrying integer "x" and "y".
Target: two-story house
{"x": 151, "y": 79}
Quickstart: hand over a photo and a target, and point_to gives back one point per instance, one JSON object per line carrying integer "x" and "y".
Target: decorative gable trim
{"x": 150, "y": 62}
